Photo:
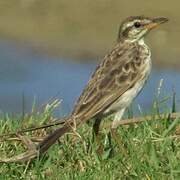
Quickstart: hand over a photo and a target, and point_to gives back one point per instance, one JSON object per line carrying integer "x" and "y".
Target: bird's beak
{"x": 156, "y": 22}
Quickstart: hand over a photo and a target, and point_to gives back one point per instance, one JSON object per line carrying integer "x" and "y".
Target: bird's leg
{"x": 114, "y": 127}
{"x": 97, "y": 135}
{"x": 96, "y": 126}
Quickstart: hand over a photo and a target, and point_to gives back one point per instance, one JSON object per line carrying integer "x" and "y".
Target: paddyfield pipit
{"x": 116, "y": 81}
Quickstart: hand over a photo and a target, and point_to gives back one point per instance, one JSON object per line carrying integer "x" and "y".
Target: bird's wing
{"x": 117, "y": 73}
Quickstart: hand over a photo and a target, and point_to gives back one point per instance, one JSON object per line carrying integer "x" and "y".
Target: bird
{"x": 116, "y": 81}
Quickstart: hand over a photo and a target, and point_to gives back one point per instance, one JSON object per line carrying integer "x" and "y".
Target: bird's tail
{"x": 54, "y": 136}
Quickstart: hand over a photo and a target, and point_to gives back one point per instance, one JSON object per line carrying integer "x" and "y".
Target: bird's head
{"x": 135, "y": 28}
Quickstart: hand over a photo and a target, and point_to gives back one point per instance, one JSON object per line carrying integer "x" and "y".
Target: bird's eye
{"x": 137, "y": 24}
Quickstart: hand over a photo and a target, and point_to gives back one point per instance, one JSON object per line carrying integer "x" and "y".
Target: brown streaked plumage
{"x": 116, "y": 81}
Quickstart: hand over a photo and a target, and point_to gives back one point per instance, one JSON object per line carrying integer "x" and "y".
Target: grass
{"x": 152, "y": 151}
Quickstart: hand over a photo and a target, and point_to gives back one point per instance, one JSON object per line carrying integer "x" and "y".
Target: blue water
{"x": 25, "y": 72}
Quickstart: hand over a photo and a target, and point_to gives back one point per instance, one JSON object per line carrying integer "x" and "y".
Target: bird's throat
{"x": 141, "y": 41}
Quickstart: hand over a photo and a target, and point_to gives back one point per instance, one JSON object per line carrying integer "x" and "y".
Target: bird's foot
{"x": 119, "y": 141}
{"x": 98, "y": 141}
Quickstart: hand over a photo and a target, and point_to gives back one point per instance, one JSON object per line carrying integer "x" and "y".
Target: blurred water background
{"x": 50, "y": 48}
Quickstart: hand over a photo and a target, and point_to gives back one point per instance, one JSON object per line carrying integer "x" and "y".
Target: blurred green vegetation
{"x": 86, "y": 29}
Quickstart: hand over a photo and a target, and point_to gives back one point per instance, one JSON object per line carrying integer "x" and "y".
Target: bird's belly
{"x": 125, "y": 100}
